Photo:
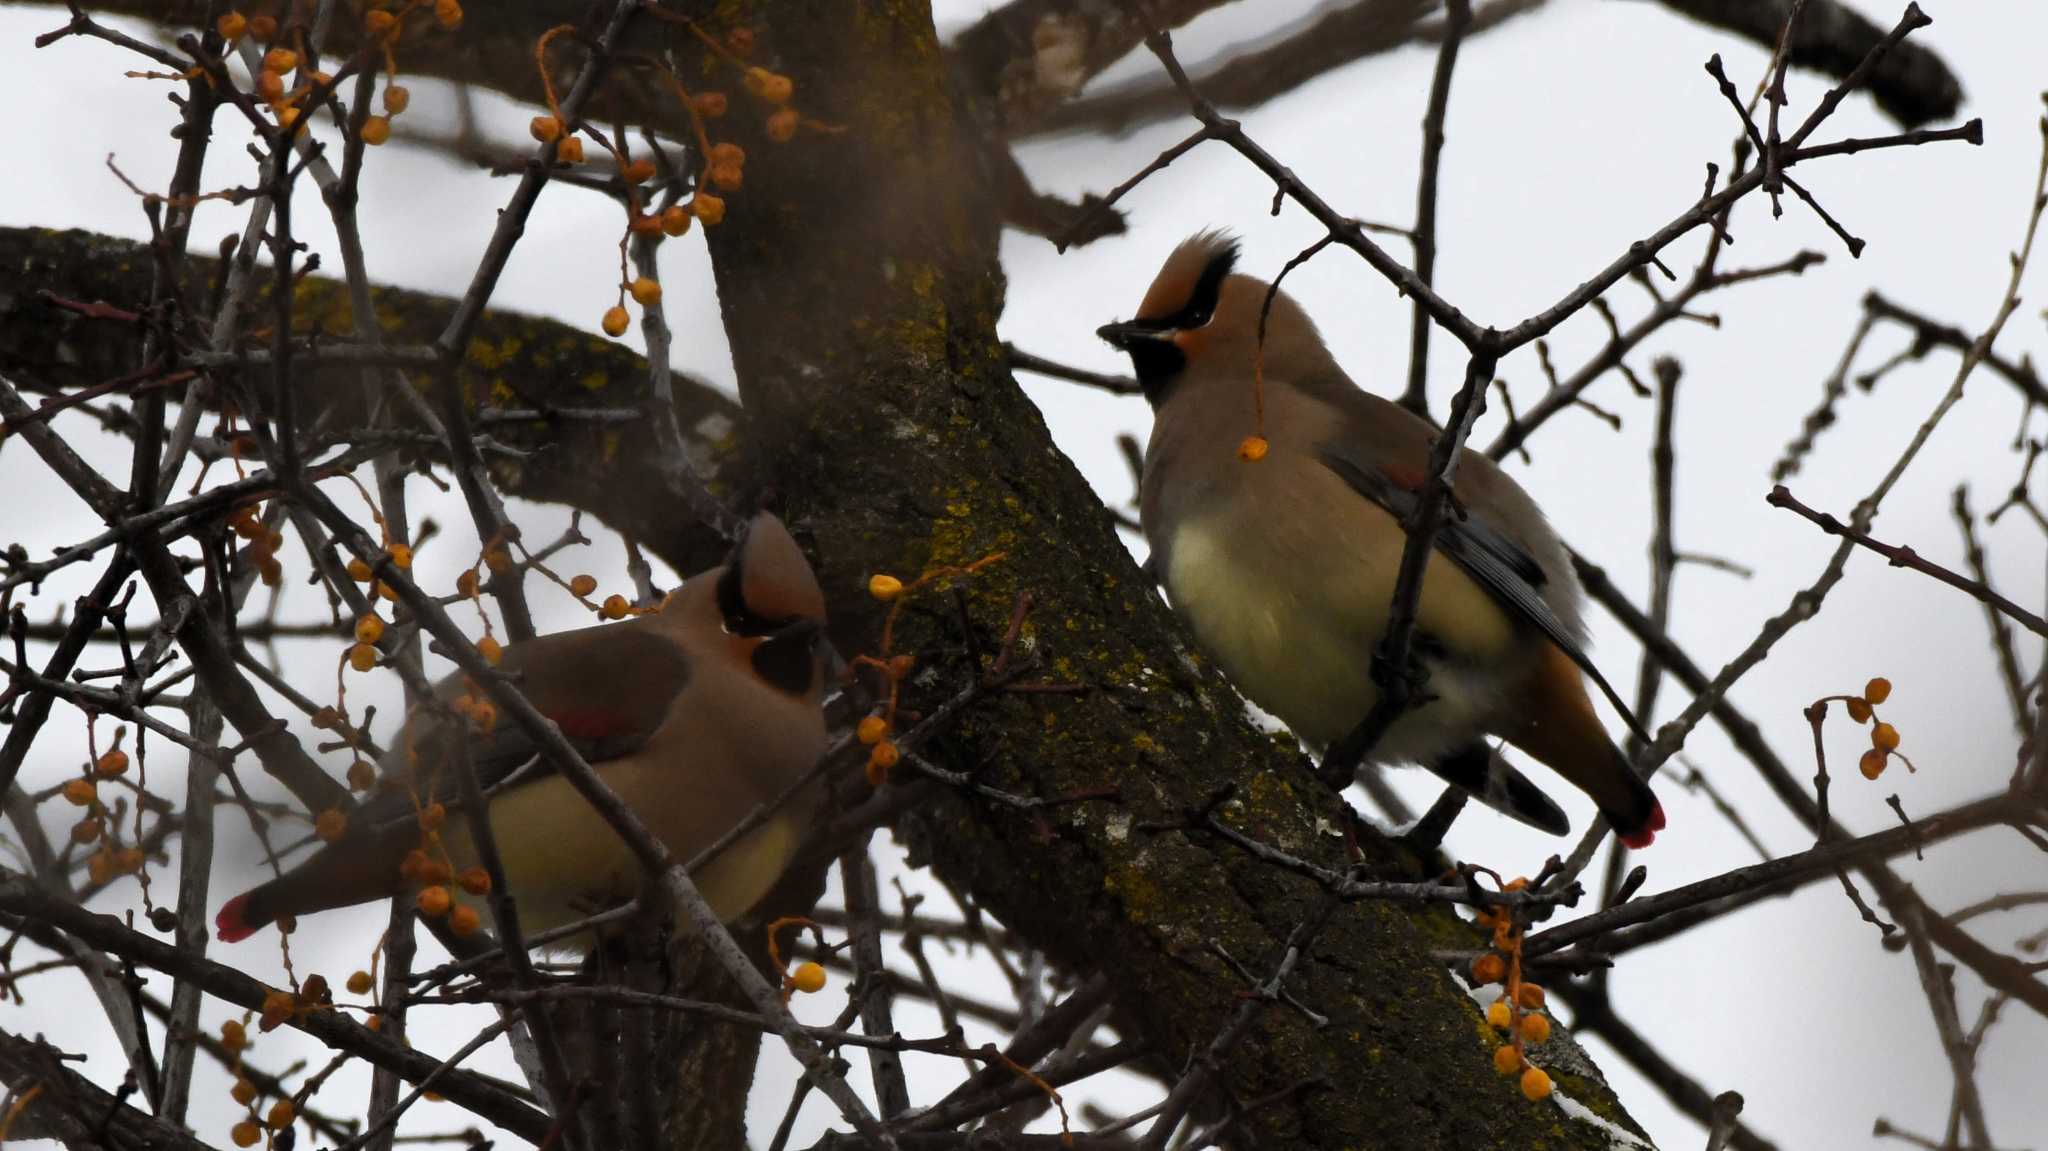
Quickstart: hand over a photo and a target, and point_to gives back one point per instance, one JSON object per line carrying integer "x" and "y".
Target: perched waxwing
{"x": 1284, "y": 563}
{"x": 695, "y": 715}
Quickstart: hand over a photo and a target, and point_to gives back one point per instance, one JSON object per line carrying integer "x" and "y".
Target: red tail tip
{"x": 232, "y": 924}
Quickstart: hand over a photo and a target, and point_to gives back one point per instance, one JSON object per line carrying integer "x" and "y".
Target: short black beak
{"x": 1129, "y": 333}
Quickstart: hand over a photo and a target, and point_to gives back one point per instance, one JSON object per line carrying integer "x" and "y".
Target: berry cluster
{"x": 874, "y": 731}
{"x": 1518, "y": 1010}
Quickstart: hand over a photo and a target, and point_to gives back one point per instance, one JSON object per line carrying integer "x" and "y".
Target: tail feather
{"x": 1565, "y": 735}
{"x": 241, "y": 917}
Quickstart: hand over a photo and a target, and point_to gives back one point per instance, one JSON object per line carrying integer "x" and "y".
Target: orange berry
{"x": 1859, "y": 710}
{"x": 1489, "y": 968}
{"x": 359, "y": 983}
{"x": 782, "y": 124}
{"x": 264, "y": 28}
{"x": 87, "y": 830}
{"x": 726, "y": 152}
{"x": 448, "y": 14}
{"x": 233, "y": 1036}
{"x": 376, "y": 130}
{"x": 675, "y": 221}
{"x": 884, "y": 755}
{"x": 463, "y": 920}
{"x": 231, "y": 26}
{"x": 1507, "y": 1060}
{"x": 101, "y": 868}
{"x": 871, "y": 729}
{"x": 769, "y": 86}
{"x": 1252, "y": 449}
{"x": 1535, "y": 1029}
{"x": 884, "y": 587}
{"x": 1884, "y": 737}
{"x": 645, "y": 224}
{"x": 484, "y": 716}
{"x": 315, "y": 990}
{"x": 615, "y": 321}
{"x": 369, "y": 629}
{"x": 280, "y": 60}
{"x": 1499, "y": 1014}
{"x": 545, "y": 128}
{"x": 637, "y": 171}
{"x": 359, "y": 571}
{"x": 436, "y": 871}
{"x": 362, "y": 775}
{"x": 498, "y": 559}
{"x": 615, "y": 607}
{"x": 582, "y": 585}
{"x": 130, "y": 860}
{"x": 379, "y": 23}
{"x": 900, "y": 665}
{"x": 269, "y": 86}
{"x": 277, "y": 1007}
{"x": 330, "y": 824}
{"x": 373, "y": 1022}
{"x": 708, "y": 208}
{"x": 281, "y": 1115}
{"x": 111, "y": 764}
{"x": 433, "y": 901}
{"x": 386, "y": 592}
{"x": 397, "y": 98}
{"x": 1873, "y": 763}
{"x": 466, "y": 584}
{"x": 80, "y": 792}
{"x": 243, "y": 1092}
{"x": 710, "y": 105}
{"x": 646, "y": 292}
{"x": 362, "y": 657}
{"x": 325, "y": 718}
{"x": 401, "y": 556}
{"x": 1531, "y": 997}
{"x": 808, "y": 978}
{"x": 491, "y": 650}
{"x": 432, "y": 816}
{"x": 570, "y": 150}
{"x": 245, "y": 1133}
{"x": 476, "y": 881}
{"x": 726, "y": 177}
{"x": 1878, "y": 690}
{"x": 741, "y": 41}
{"x": 1535, "y": 1084}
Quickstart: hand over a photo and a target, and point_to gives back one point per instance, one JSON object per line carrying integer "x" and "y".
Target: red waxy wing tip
{"x": 232, "y": 925}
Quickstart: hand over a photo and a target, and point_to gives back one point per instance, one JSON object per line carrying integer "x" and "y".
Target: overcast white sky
{"x": 1572, "y": 132}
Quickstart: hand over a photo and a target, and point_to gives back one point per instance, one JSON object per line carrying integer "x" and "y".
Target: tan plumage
{"x": 695, "y": 715}
{"x": 1285, "y": 567}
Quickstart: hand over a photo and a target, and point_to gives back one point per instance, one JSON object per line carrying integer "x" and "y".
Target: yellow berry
{"x": 1535, "y": 1084}
{"x": 637, "y": 171}
{"x": 710, "y": 105}
{"x": 86, "y": 830}
{"x": 769, "y": 86}
{"x": 476, "y": 881}
{"x": 1535, "y": 1029}
{"x": 359, "y": 983}
{"x": 245, "y": 1133}
{"x": 113, "y": 763}
{"x": 726, "y": 177}
{"x": 1531, "y": 997}
{"x": 80, "y": 792}
{"x": 582, "y": 585}
{"x": 646, "y": 292}
{"x": 231, "y": 26}
{"x": 545, "y": 128}
{"x": 1884, "y": 737}
{"x": 466, "y": 584}
{"x": 708, "y": 208}
{"x": 448, "y": 14}
{"x": 1507, "y": 1060}
{"x": 433, "y": 901}
{"x": 376, "y": 130}
{"x": 1859, "y": 710}
{"x": 362, "y": 657}
{"x": 491, "y": 650}
{"x": 101, "y": 868}
{"x": 871, "y": 729}
{"x": 288, "y": 120}
{"x": 463, "y": 920}
{"x": 281, "y": 1115}
{"x": 570, "y": 150}
{"x": 808, "y": 978}
{"x": 386, "y": 592}
{"x": 782, "y": 124}
{"x": 369, "y": 629}
{"x": 359, "y": 571}
{"x": 233, "y": 1036}
{"x": 1873, "y": 763}
{"x": 243, "y": 1092}
{"x": 1498, "y": 1014}
{"x": 726, "y": 152}
{"x": 884, "y": 587}
{"x": 1489, "y": 968}
{"x": 378, "y": 22}
{"x": 675, "y": 221}
{"x": 1878, "y": 690}
{"x": 280, "y": 60}
{"x": 1252, "y": 449}
{"x": 615, "y": 321}
{"x": 401, "y": 556}
{"x": 330, "y": 824}
{"x": 397, "y": 98}
{"x": 615, "y": 607}
{"x": 362, "y": 775}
